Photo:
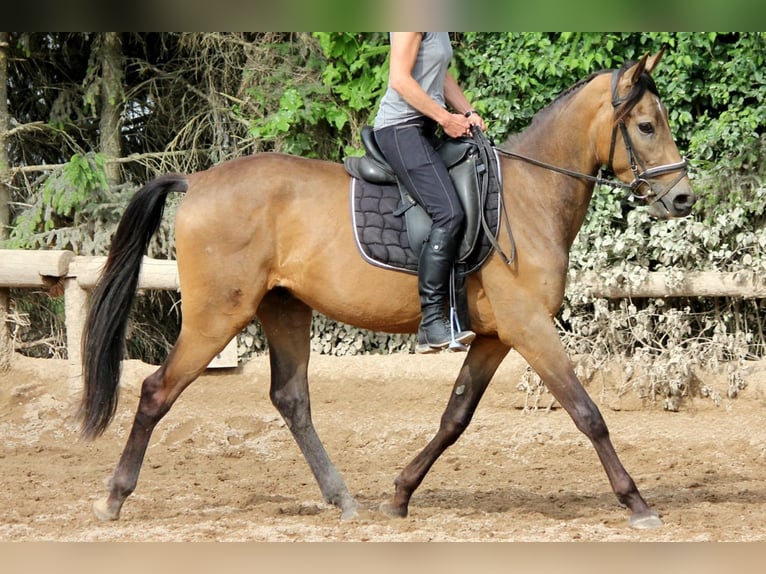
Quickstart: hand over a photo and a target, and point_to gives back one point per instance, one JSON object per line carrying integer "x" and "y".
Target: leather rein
{"x": 641, "y": 175}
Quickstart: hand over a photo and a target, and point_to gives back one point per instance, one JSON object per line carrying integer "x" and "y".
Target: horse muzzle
{"x": 665, "y": 200}
{"x": 673, "y": 202}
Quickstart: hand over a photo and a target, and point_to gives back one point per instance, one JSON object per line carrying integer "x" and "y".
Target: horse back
{"x": 263, "y": 178}
{"x": 261, "y": 191}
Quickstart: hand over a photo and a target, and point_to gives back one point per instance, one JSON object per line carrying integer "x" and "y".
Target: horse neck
{"x": 564, "y": 136}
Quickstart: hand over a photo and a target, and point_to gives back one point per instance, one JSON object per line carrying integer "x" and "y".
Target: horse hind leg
{"x": 286, "y": 321}
{"x": 483, "y": 358}
{"x": 187, "y": 360}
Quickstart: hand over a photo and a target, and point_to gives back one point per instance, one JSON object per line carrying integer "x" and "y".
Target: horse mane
{"x": 626, "y": 104}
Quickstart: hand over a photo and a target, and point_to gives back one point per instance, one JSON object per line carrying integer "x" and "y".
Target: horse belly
{"x": 350, "y": 290}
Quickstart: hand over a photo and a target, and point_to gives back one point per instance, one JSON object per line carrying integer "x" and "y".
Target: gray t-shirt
{"x": 430, "y": 67}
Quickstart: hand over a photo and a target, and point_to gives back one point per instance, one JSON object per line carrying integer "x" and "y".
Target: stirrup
{"x": 454, "y": 327}
{"x": 454, "y": 324}
{"x": 457, "y": 347}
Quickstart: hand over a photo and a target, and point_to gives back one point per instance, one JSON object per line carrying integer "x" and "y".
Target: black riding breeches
{"x": 410, "y": 152}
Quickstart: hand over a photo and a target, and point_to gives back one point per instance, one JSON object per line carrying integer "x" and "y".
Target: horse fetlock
{"x": 349, "y": 511}
{"x": 340, "y": 498}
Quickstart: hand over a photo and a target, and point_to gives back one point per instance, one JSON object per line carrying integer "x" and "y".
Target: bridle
{"x": 641, "y": 175}
{"x": 644, "y": 176}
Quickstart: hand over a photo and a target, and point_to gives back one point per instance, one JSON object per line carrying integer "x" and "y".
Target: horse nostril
{"x": 684, "y": 201}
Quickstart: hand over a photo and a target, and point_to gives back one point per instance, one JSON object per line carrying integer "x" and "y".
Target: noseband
{"x": 641, "y": 175}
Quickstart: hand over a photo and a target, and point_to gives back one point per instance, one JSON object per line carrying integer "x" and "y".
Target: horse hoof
{"x": 645, "y": 521}
{"x": 103, "y": 512}
{"x": 350, "y": 513}
{"x": 392, "y": 510}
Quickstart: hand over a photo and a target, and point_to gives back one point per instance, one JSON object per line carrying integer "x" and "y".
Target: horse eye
{"x": 646, "y": 128}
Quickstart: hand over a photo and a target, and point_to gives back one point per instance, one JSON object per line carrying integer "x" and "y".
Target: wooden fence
{"x": 78, "y": 275}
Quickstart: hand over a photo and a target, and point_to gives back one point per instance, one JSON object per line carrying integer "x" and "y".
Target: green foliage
{"x": 357, "y": 68}
{"x": 290, "y": 101}
{"x": 66, "y": 199}
{"x": 712, "y": 84}
{"x": 322, "y": 91}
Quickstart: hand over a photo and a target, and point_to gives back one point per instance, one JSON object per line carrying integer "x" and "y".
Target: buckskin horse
{"x": 269, "y": 237}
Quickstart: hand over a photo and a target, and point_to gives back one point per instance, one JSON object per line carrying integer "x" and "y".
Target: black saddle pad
{"x": 381, "y": 236}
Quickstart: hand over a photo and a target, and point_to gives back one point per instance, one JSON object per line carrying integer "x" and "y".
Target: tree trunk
{"x": 5, "y": 197}
{"x": 112, "y": 75}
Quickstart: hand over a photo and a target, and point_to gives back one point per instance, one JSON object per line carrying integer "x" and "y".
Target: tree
{"x": 5, "y": 194}
{"x": 109, "y": 54}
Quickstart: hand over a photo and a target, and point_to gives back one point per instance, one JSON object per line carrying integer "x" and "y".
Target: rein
{"x": 640, "y": 178}
{"x": 598, "y": 179}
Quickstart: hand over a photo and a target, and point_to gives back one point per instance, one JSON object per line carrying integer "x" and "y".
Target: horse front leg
{"x": 481, "y": 362}
{"x": 543, "y": 350}
{"x": 286, "y": 322}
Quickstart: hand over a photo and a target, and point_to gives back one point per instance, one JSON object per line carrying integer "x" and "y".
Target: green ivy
{"x": 356, "y": 72}
{"x": 357, "y": 68}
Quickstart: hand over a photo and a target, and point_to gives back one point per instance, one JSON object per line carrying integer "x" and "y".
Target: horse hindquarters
{"x": 212, "y": 313}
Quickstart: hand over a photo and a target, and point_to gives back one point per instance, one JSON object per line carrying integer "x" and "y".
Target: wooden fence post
{"x": 6, "y": 344}
{"x": 75, "y": 308}
{"x": 26, "y": 269}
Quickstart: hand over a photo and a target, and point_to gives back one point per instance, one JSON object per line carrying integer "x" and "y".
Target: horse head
{"x": 648, "y": 161}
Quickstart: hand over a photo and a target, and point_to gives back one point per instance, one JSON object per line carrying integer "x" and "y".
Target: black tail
{"x": 111, "y": 301}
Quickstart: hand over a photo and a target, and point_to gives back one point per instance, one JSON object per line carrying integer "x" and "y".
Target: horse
{"x": 269, "y": 237}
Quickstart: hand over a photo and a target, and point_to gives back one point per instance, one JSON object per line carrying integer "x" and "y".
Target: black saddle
{"x": 397, "y": 244}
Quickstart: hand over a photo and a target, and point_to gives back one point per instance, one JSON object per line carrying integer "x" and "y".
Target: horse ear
{"x": 634, "y": 73}
{"x": 645, "y": 64}
{"x": 652, "y": 62}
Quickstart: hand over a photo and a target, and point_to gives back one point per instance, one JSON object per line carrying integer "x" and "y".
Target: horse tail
{"x": 111, "y": 301}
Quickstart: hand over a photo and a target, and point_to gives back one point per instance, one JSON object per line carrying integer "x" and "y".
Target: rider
{"x": 420, "y": 87}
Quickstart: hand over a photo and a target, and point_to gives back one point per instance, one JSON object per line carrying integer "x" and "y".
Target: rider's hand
{"x": 459, "y": 125}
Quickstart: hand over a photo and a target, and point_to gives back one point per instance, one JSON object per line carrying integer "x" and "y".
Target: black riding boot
{"x": 434, "y": 268}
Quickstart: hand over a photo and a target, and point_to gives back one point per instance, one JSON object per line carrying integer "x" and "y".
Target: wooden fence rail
{"x": 45, "y": 269}
{"x": 79, "y": 275}
{"x": 738, "y": 284}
